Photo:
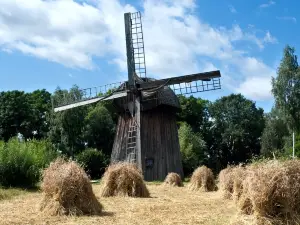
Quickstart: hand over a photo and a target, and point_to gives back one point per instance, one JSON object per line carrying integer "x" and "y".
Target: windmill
{"x": 146, "y": 132}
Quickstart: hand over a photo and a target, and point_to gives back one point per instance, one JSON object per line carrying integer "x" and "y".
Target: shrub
{"x": 21, "y": 162}
{"x": 94, "y": 162}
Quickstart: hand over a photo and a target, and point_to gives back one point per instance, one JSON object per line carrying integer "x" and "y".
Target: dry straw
{"x": 67, "y": 190}
{"x": 124, "y": 179}
{"x": 202, "y": 179}
{"x": 271, "y": 192}
{"x": 173, "y": 179}
{"x": 230, "y": 182}
{"x": 226, "y": 182}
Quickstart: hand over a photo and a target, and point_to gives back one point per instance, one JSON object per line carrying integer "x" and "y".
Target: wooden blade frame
{"x": 207, "y": 76}
{"x": 90, "y": 101}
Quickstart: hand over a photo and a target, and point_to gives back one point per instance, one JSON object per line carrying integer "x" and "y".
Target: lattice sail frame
{"x": 136, "y": 57}
{"x": 138, "y": 47}
{"x": 196, "y": 86}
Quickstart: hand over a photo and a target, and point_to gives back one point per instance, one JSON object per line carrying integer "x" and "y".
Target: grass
{"x": 9, "y": 193}
{"x": 167, "y": 205}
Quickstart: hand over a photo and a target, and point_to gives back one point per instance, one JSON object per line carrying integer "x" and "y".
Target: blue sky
{"x": 45, "y": 44}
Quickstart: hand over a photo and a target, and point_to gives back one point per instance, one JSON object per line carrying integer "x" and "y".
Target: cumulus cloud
{"x": 177, "y": 42}
{"x": 266, "y": 5}
{"x": 287, "y": 18}
{"x": 232, "y": 9}
{"x": 256, "y": 88}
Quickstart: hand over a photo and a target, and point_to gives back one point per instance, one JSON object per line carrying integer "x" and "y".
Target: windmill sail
{"x": 89, "y": 96}
{"x": 90, "y": 101}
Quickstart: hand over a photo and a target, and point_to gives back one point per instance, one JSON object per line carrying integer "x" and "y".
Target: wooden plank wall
{"x": 159, "y": 140}
{"x": 119, "y": 146}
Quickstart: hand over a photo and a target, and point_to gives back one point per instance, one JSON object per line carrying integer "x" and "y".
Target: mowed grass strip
{"x": 167, "y": 205}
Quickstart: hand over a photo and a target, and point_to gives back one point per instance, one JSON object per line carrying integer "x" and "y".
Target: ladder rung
{"x": 131, "y": 143}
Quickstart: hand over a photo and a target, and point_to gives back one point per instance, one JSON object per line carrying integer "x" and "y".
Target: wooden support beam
{"x": 180, "y": 79}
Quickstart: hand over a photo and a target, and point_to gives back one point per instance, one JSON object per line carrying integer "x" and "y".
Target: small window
{"x": 149, "y": 162}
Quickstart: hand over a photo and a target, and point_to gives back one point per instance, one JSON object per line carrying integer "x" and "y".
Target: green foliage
{"x": 93, "y": 161}
{"x": 66, "y": 126}
{"x": 15, "y": 114}
{"x": 288, "y": 145}
{"x": 21, "y": 162}
{"x": 24, "y": 113}
{"x": 276, "y": 129}
{"x": 40, "y": 102}
{"x": 99, "y": 129}
{"x": 194, "y": 112}
{"x": 286, "y": 88}
{"x": 9, "y": 193}
{"x": 192, "y": 148}
{"x": 237, "y": 128}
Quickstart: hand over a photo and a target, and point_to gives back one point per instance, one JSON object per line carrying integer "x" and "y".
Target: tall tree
{"x": 66, "y": 127}
{"x": 192, "y": 148}
{"x": 194, "y": 111}
{"x": 286, "y": 88}
{"x": 237, "y": 129}
{"x": 40, "y": 101}
{"x": 276, "y": 129}
{"x": 15, "y": 114}
{"x": 99, "y": 129}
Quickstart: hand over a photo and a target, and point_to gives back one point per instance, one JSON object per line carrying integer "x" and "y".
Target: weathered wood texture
{"x": 119, "y": 146}
{"x": 159, "y": 142}
{"x": 181, "y": 79}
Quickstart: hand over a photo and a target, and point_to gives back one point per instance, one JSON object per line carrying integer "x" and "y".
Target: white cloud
{"x": 269, "y": 38}
{"x": 287, "y": 18}
{"x": 266, "y": 5}
{"x": 256, "y": 88}
{"x": 177, "y": 42}
{"x": 232, "y": 9}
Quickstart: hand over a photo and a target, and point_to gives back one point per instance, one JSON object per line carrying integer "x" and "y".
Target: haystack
{"x": 124, "y": 179}
{"x": 272, "y": 191}
{"x": 239, "y": 174}
{"x": 67, "y": 190}
{"x": 226, "y": 182}
{"x": 230, "y": 182}
{"x": 173, "y": 179}
{"x": 202, "y": 179}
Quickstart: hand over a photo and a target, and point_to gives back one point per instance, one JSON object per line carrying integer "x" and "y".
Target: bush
{"x": 192, "y": 148}
{"x": 21, "y": 162}
{"x": 94, "y": 162}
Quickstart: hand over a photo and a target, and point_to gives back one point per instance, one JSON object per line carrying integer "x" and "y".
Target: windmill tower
{"x": 146, "y": 132}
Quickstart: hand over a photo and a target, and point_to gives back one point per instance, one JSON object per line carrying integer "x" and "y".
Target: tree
{"x": 194, "y": 112}
{"x": 192, "y": 148}
{"x": 40, "y": 101}
{"x": 66, "y": 126}
{"x": 15, "y": 114}
{"x": 237, "y": 129}
{"x": 99, "y": 129}
{"x": 286, "y": 88}
{"x": 276, "y": 129}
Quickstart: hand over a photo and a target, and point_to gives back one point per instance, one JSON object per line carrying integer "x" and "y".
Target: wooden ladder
{"x": 131, "y": 142}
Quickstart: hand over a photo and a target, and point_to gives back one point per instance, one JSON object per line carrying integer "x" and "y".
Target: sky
{"x": 51, "y": 43}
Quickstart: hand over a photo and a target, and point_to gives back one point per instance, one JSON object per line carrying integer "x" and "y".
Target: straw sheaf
{"x": 67, "y": 190}
{"x": 124, "y": 179}
{"x": 271, "y": 192}
{"x": 173, "y": 179}
{"x": 202, "y": 179}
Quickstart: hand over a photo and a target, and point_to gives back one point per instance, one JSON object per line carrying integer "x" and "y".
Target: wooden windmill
{"x": 147, "y": 132}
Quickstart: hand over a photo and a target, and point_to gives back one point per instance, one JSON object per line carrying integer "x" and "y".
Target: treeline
{"x": 229, "y": 130}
